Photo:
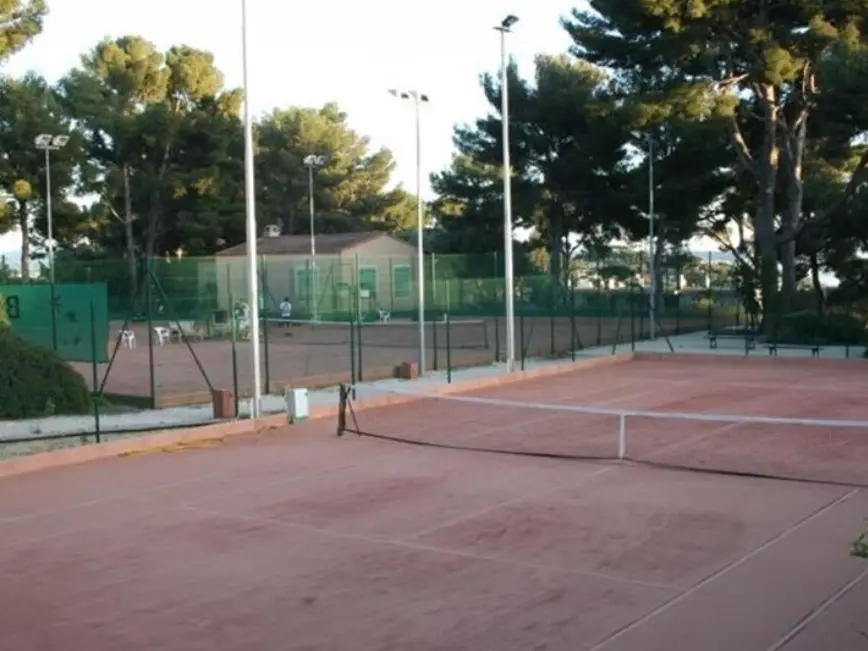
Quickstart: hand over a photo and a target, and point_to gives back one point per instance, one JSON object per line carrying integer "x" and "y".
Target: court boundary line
{"x": 43, "y": 461}
{"x": 394, "y": 542}
{"x": 229, "y": 492}
{"x": 726, "y": 569}
{"x": 827, "y": 603}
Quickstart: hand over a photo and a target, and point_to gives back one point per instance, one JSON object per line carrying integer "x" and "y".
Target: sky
{"x": 344, "y": 51}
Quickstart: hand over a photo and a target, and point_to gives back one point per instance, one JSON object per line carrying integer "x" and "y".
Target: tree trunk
{"x": 25, "y": 241}
{"x": 766, "y": 179}
{"x": 129, "y": 237}
{"x": 793, "y": 140}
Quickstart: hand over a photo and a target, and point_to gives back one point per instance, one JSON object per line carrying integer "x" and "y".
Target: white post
{"x": 622, "y": 437}
{"x": 49, "y": 214}
{"x": 250, "y": 213}
{"x": 509, "y": 281}
{"x": 652, "y": 271}
{"x": 420, "y": 253}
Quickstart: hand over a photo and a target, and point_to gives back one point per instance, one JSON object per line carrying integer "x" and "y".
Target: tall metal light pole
{"x": 652, "y": 271}
{"x": 49, "y": 142}
{"x": 250, "y": 214}
{"x": 312, "y": 161}
{"x": 509, "y": 282}
{"x": 418, "y": 99}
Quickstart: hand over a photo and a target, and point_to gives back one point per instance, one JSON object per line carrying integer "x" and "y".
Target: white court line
{"x": 205, "y": 477}
{"x": 802, "y": 625}
{"x": 722, "y": 572}
{"x": 535, "y": 494}
{"x": 514, "y": 500}
{"x": 103, "y": 500}
{"x": 604, "y": 411}
{"x": 418, "y": 547}
{"x": 804, "y": 386}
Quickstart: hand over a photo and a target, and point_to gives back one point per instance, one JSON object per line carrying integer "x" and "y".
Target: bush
{"x": 35, "y": 382}
{"x": 830, "y": 329}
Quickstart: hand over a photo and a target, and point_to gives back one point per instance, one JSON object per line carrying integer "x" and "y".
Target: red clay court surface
{"x": 301, "y": 540}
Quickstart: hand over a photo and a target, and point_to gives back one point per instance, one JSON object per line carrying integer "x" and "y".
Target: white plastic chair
{"x": 384, "y": 315}
{"x": 162, "y": 333}
{"x": 128, "y": 339}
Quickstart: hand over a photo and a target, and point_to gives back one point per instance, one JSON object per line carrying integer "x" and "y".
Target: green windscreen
{"x": 79, "y": 327}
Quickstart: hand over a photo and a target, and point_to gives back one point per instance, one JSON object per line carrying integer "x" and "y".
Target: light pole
{"x": 312, "y": 161}
{"x": 250, "y": 214}
{"x": 509, "y": 283}
{"x": 418, "y": 99}
{"x": 652, "y": 272}
{"x": 49, "y": 142}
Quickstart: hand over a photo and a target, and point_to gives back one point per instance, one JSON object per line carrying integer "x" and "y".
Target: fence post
{"x": 551, "y": 294}
{"x": 599, "y": 302}
{"x": 53, "y": 304}
{"x": 572, "y": 322}
{"x": 95, "y": 398}
{"x": 152, "y": 386}
{"x": 434, "y": 361}
{"x": 448, "y": 349}
{"x": 263, "y": 322}
{"x": 359, "y": 346}
{"x": 630, "y": 297}
{"x": 709, "y": 296}
{"x": 234, "y": 335}
{"x": 521, "y": 336}
{"x": 352, "y": 350}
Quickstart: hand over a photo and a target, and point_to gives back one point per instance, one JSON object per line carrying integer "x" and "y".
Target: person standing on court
{"x": 285, "y": 312}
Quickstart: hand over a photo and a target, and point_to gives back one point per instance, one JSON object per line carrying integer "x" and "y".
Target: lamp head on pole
{"x": 50, "y": 141}
{"x": 313, "y": 160}
{"x": 507, "y": 23}
{"x": 412, "y": 95}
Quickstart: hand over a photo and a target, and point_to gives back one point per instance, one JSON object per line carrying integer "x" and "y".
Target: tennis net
{"x": 470, "y": 334}
{"x": 808, "y": 450}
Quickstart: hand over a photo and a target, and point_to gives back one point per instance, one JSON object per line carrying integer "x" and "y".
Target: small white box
{"x": 296, "y": 405}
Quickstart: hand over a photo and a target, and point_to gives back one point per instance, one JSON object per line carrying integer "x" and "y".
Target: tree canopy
{"x": 743, "y": 121}
{"x": 155, "y": 161}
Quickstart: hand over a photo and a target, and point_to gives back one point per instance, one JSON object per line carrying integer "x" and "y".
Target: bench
{"x": 775, "y": 346}
{"x": 735, "y": 335}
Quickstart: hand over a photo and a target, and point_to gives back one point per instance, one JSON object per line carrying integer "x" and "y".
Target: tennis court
{"x": 304, "y": 540}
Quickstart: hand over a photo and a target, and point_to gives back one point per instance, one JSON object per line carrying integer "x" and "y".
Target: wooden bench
{"x": 734, "y": 335}
{"x": 775, "y": 346}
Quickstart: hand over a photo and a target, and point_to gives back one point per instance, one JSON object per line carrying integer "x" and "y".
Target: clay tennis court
{"x": 303, "y": 540}
{"x": 321, "y": 357}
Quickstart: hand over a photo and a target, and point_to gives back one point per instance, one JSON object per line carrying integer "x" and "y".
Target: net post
{"x": 631, "y": 298}
{"x": 343, "y": 397}
{"x": 622, "y": 437}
